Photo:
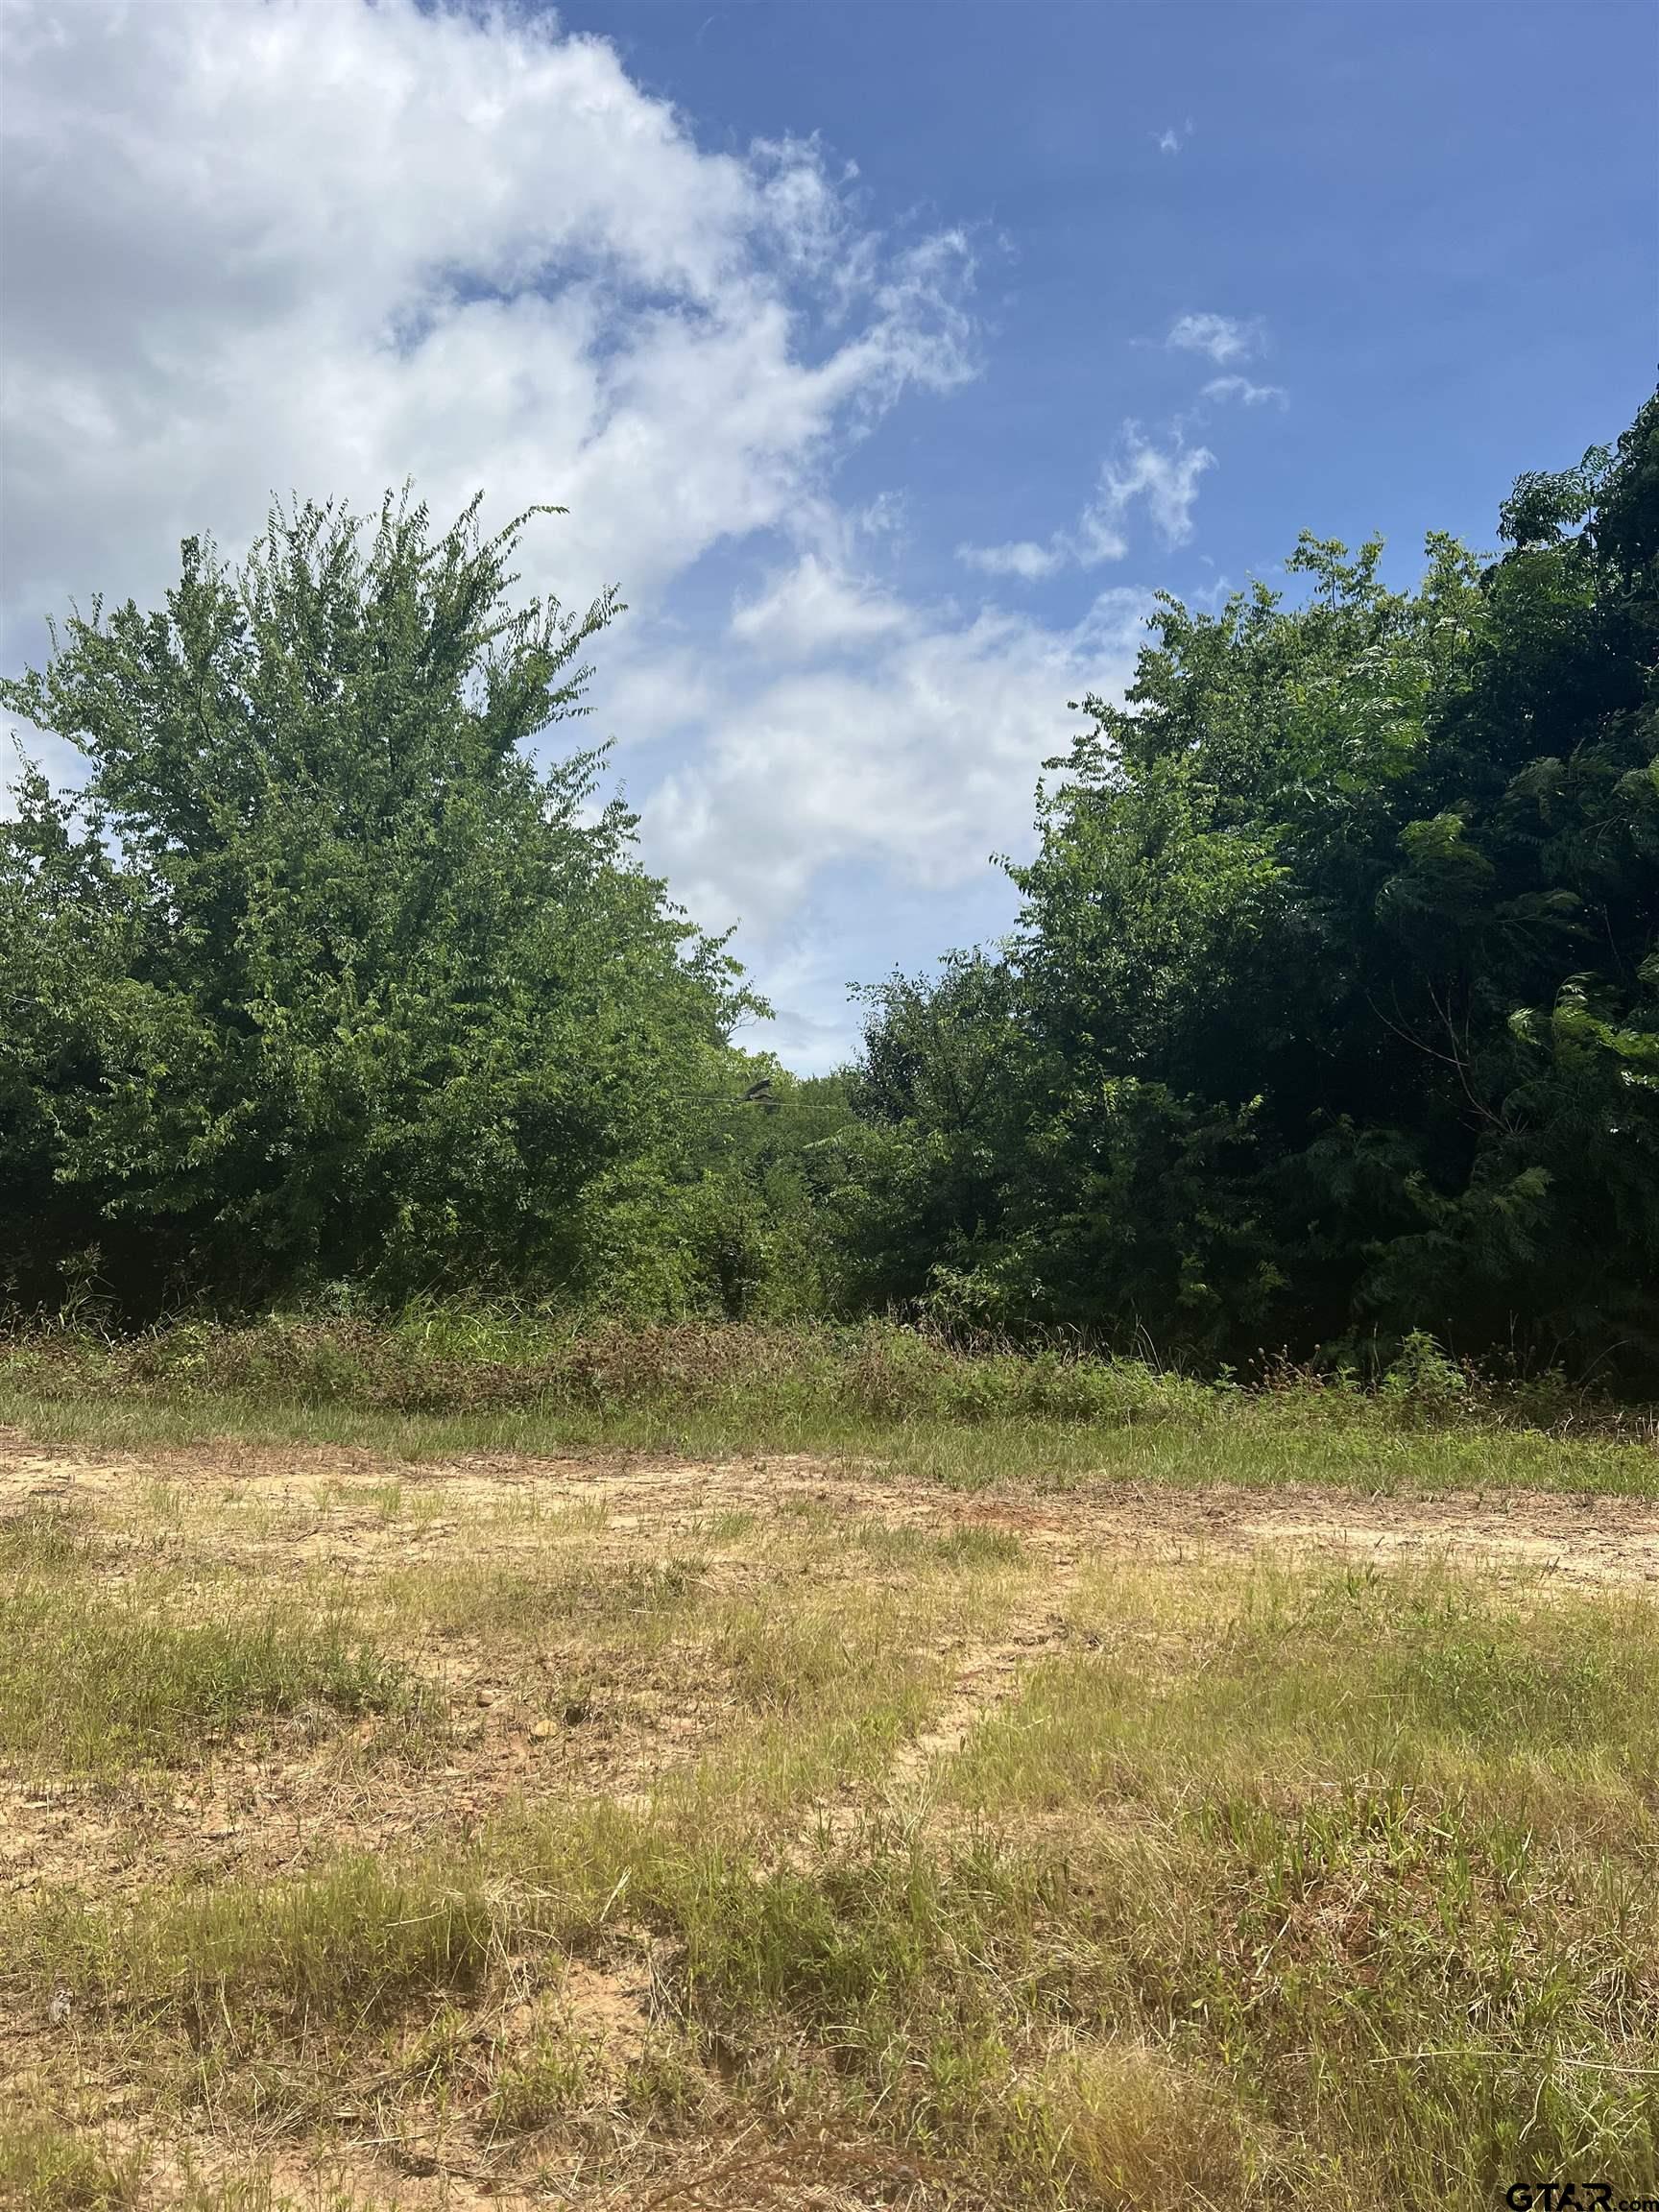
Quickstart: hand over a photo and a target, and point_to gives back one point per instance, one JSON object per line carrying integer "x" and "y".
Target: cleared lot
{"x": 613, "y": 1831}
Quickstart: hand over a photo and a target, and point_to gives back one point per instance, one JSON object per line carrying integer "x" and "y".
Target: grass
{"x": 531, "y": 1596}
{"x": 94, "y": 1680}
{"x": 1260, "y": 1445}
{"x": 1280, "y": 1677}
{"x": 57, "y": 2169}
{"x": 351, "y": 1947}
{"x": 51, "y": 2167}
{"x": 1234, "y": 1881}
{"x": 1413, "y": 1828}
{"x": 1366, "y": 1909}
{"x": 435, "y": 1382}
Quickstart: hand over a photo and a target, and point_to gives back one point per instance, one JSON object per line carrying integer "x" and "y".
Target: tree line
{"x": 1330, "y": 1014}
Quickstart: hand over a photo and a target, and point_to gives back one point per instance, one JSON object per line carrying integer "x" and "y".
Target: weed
{"x": 92, "y": 1680}
{"x": 545, "y": 2083}
{"x": 51, "y": 2168}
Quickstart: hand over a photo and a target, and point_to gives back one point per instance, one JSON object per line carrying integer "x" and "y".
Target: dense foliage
{"x": 317, "y": 981}
{"x": 1334, "y": 1008}
{"x": 1332, "y": 1015}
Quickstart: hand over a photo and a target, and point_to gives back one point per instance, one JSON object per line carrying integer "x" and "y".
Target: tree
{"x": 1334, "y": 1007}
{"x": 319, "y": 977}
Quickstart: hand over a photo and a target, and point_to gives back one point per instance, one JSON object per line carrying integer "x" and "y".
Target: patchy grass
{"x": 540, "y": 1594}
{"x": 94, "y": 1684}
{"x": 95, "y": 1678}
{"x": 1384, "y": 1847}
{"x": 931, "y": 1855}
{"x": 57, "y": 2169}
{"x": 1254, "y": 1444}
{"x": 351, "y": 1947}
{"x": 1217, "y": 1682}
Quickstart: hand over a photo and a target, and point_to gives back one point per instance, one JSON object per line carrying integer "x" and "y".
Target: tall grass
{"x": 439, "y": 1380}
{"x": 454, "y": 1361}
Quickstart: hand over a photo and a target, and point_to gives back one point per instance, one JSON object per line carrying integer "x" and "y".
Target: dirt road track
{"x": 1580, "y": 1538}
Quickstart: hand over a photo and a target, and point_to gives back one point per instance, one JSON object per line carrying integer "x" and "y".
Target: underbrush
{"x": 774, "y": 1383}
{"x": 440, "y": 1382}
{"x": 455, "y": 1362}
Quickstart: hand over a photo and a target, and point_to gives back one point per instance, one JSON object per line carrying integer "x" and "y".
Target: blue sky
{"x": 887, "y": 355}
{"x": 1446, "y": 214}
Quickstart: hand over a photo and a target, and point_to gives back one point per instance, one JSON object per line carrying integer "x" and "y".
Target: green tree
{"x": 319, "y": 977}
{"x": 1334, "y": 1007}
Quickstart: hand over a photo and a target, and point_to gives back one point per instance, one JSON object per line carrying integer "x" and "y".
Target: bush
{"x": 438, "y": 1360}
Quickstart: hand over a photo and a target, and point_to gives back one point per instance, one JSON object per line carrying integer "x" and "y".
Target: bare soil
{"x": 1583, "y": 1538}
{"x": 526, "y": 1721}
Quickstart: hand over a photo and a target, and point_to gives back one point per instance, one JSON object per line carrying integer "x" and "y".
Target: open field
{"x": 388, "y": 1823}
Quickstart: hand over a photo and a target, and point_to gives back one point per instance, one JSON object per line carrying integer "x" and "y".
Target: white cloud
{"x": 1223, "y": 336}
{"x": 1164, "y": 478}
{"x": 1171, "y": 140}
{"x": 256, "y": 249}
{"x": 920, "y": 753}
{"x": 1023, "y": 558}
{"x": 1241, "y": 388}
{"x": 250, "y": 249}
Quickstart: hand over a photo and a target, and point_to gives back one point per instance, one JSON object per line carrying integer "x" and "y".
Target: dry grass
{"x": 437, "y": 1381}
{"x": 99, "y": 1678}
{"x": 750, "y": 1836}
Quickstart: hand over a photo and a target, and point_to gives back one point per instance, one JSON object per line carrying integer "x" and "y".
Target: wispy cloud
{"x": 1223, "y": 336}
{"x": 1024, "y": 559}
{"x": 1173, "y": 139}
{"x": 1165, "y": 477}
{"x": 1248, "y": 395}
{"x": 1162, "y": 478}
{"x": 815, "y": 610}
